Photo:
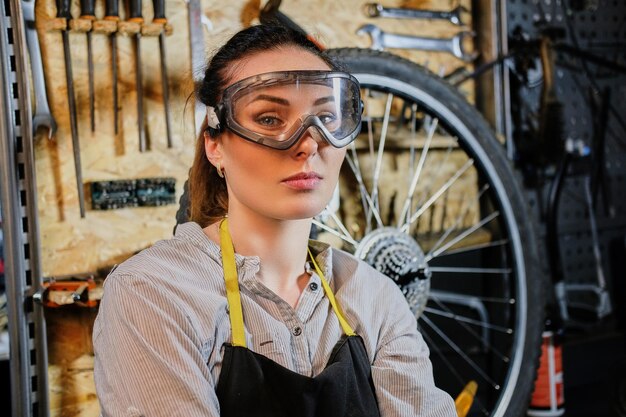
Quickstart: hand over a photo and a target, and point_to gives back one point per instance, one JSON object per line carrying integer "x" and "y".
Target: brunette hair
{"x": 208, "y": 196}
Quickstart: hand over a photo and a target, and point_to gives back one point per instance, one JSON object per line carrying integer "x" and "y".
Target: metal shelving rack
{"x": 27, "y": 329}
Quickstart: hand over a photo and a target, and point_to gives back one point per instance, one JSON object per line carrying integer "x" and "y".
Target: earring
{"x": 220, "y": 171}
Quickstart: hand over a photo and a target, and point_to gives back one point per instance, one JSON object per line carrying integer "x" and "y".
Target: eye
{"x": 268, "y": 121}
{"x": 327, "y": 118}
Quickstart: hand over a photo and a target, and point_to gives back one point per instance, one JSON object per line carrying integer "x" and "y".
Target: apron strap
{"x": 232, "y": 286}
{"x": 331, "y": 297}
{"x": 234, "y": 298}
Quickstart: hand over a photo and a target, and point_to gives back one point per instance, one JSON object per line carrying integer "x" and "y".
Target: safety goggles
{"x": 276, "y": 108}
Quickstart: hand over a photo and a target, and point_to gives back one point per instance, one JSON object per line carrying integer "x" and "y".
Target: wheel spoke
{"x": 463, "y": 235}
{"x": 335, "y": 232}
{"x": 457, "y": 221}
{"x": 460, "y": 352}
{"x": 381, "y": 148}
{"x": 435, "y": 196}
{"x": 469, "y": 320}
{"x": 341, "y": 226}
{"x": 452, "y": 369}
{"x": 370, "y": 127}
{"x": 411, "y": 156}
{"x": 447, "y": 312}
{"x": 486, "y": 245}
{"x": 416, "y": 175}
{"x": 364, "y": 194}
{"x": 453, "y": 296}
{"x": 445, "y": 360}
{"x": 353, "y": 163}
{"x": 470, "y": 270}
{"x": 427, "y": 189}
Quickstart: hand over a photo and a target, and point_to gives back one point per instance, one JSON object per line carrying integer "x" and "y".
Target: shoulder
{"x": 176, "y": 277}
{"x": 183, "y": 257}
{"x": 350, "y": 270}
{"x": 184, "y": 270}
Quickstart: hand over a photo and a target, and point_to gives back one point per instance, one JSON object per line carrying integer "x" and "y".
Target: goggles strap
{"x": 212, "y": 120}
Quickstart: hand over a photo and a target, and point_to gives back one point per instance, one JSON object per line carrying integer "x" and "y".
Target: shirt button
{"x": 313, "y": 286}
{"x": 297, "y": 331}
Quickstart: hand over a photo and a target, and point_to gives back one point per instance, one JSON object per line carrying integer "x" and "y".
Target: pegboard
{"x": 597, "y": 27}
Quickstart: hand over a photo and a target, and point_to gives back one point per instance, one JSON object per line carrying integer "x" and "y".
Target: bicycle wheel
{"x": 428, "y": 197}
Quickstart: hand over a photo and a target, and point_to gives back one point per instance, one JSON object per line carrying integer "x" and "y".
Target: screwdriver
{"x": 464, "y": 401}
{"x": 63, "y": 12}
{"x": 113, "y": 14}
{"x": 87, "y": 11}
{"x": 159, "y": 17}
{"x": 135, "y": 16}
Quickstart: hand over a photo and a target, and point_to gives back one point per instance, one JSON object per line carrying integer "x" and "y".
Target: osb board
{"x": 70, "y": 355}
{"x": 73, "y": 245}
{"x": 335, "y": 23}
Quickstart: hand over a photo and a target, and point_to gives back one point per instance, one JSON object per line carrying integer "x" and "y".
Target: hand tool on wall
{"x": 87, "y": 12}
{"x": 140, "y": 192}
{"x": 159, "y": 17}
{"x": 196, "y": 38}
{"x": 63, "y": 12}
{"x": 112, "y": 13}
{"x": 455, "y": 16}
{"x": 42, "y": 117}
{"x": 454, "y": 45}
{"x": 135, "y": 16}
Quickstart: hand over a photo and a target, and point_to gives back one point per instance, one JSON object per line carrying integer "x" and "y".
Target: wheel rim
{"x": 371, "y": 207}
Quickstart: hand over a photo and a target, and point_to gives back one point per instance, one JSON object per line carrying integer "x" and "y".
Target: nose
{"x": 309, "y": 143}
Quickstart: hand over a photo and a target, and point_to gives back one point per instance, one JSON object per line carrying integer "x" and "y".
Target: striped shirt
{"x": 163, "y": 321}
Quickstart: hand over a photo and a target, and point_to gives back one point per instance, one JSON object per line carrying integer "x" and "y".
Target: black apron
{"x": 252, "y": 385}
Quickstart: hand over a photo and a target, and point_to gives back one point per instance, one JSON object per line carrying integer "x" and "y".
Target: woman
{"x": 190, "y": 328}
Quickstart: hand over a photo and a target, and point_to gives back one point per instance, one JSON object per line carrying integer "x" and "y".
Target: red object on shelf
{"x": 548, "y": 398}
{"x": 64, "y": 292}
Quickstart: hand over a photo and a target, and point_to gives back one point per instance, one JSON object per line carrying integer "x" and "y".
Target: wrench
{"x": 42, "y": 117}
{"x": 453, "y": 45}
{"x": 378, "y": 10}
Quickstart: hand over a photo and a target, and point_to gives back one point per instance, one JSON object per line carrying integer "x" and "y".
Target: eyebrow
{"x": 323, "y": 100}
{"x": 272, "y": 99}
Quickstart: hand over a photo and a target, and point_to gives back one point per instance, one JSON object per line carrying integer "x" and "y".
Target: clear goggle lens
{"x": 275, "y": 109}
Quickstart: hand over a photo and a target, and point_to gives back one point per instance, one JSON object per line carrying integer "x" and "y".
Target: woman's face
{"x": 290, "y": 184}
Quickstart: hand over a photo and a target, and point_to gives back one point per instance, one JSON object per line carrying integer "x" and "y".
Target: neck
{"x": 281, "y": 246}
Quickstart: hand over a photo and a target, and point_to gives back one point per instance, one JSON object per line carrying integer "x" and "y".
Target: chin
{"x": 300, "y": 212}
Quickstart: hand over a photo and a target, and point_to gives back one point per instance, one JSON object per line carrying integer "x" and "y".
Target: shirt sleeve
{"x": 402, "y": 371}
{"x": 149, "y": 360}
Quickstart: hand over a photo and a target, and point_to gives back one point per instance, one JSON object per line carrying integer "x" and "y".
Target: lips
{"x": 303, "y": 181}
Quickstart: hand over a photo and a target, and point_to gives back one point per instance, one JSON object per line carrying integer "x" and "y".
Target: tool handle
{"x": 159, "y": 11}
{"x": 63, "y": 9}
{"x": 135, "y": 11}
{"x": 112, "y": 10}
{"x": 88, "y": 9}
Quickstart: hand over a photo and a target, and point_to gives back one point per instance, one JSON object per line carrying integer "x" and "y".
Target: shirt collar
{"x": 193, "y": 233}
{"x": 248, "y": 266}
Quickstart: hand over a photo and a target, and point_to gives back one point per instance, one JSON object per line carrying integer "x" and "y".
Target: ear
{"x": 212, "y": 148}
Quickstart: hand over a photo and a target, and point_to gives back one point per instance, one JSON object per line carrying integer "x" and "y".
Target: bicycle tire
{"x": 386, "y": 73}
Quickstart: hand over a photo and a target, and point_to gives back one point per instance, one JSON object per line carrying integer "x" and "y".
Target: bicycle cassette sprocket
{"x": 399, "y": 256}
